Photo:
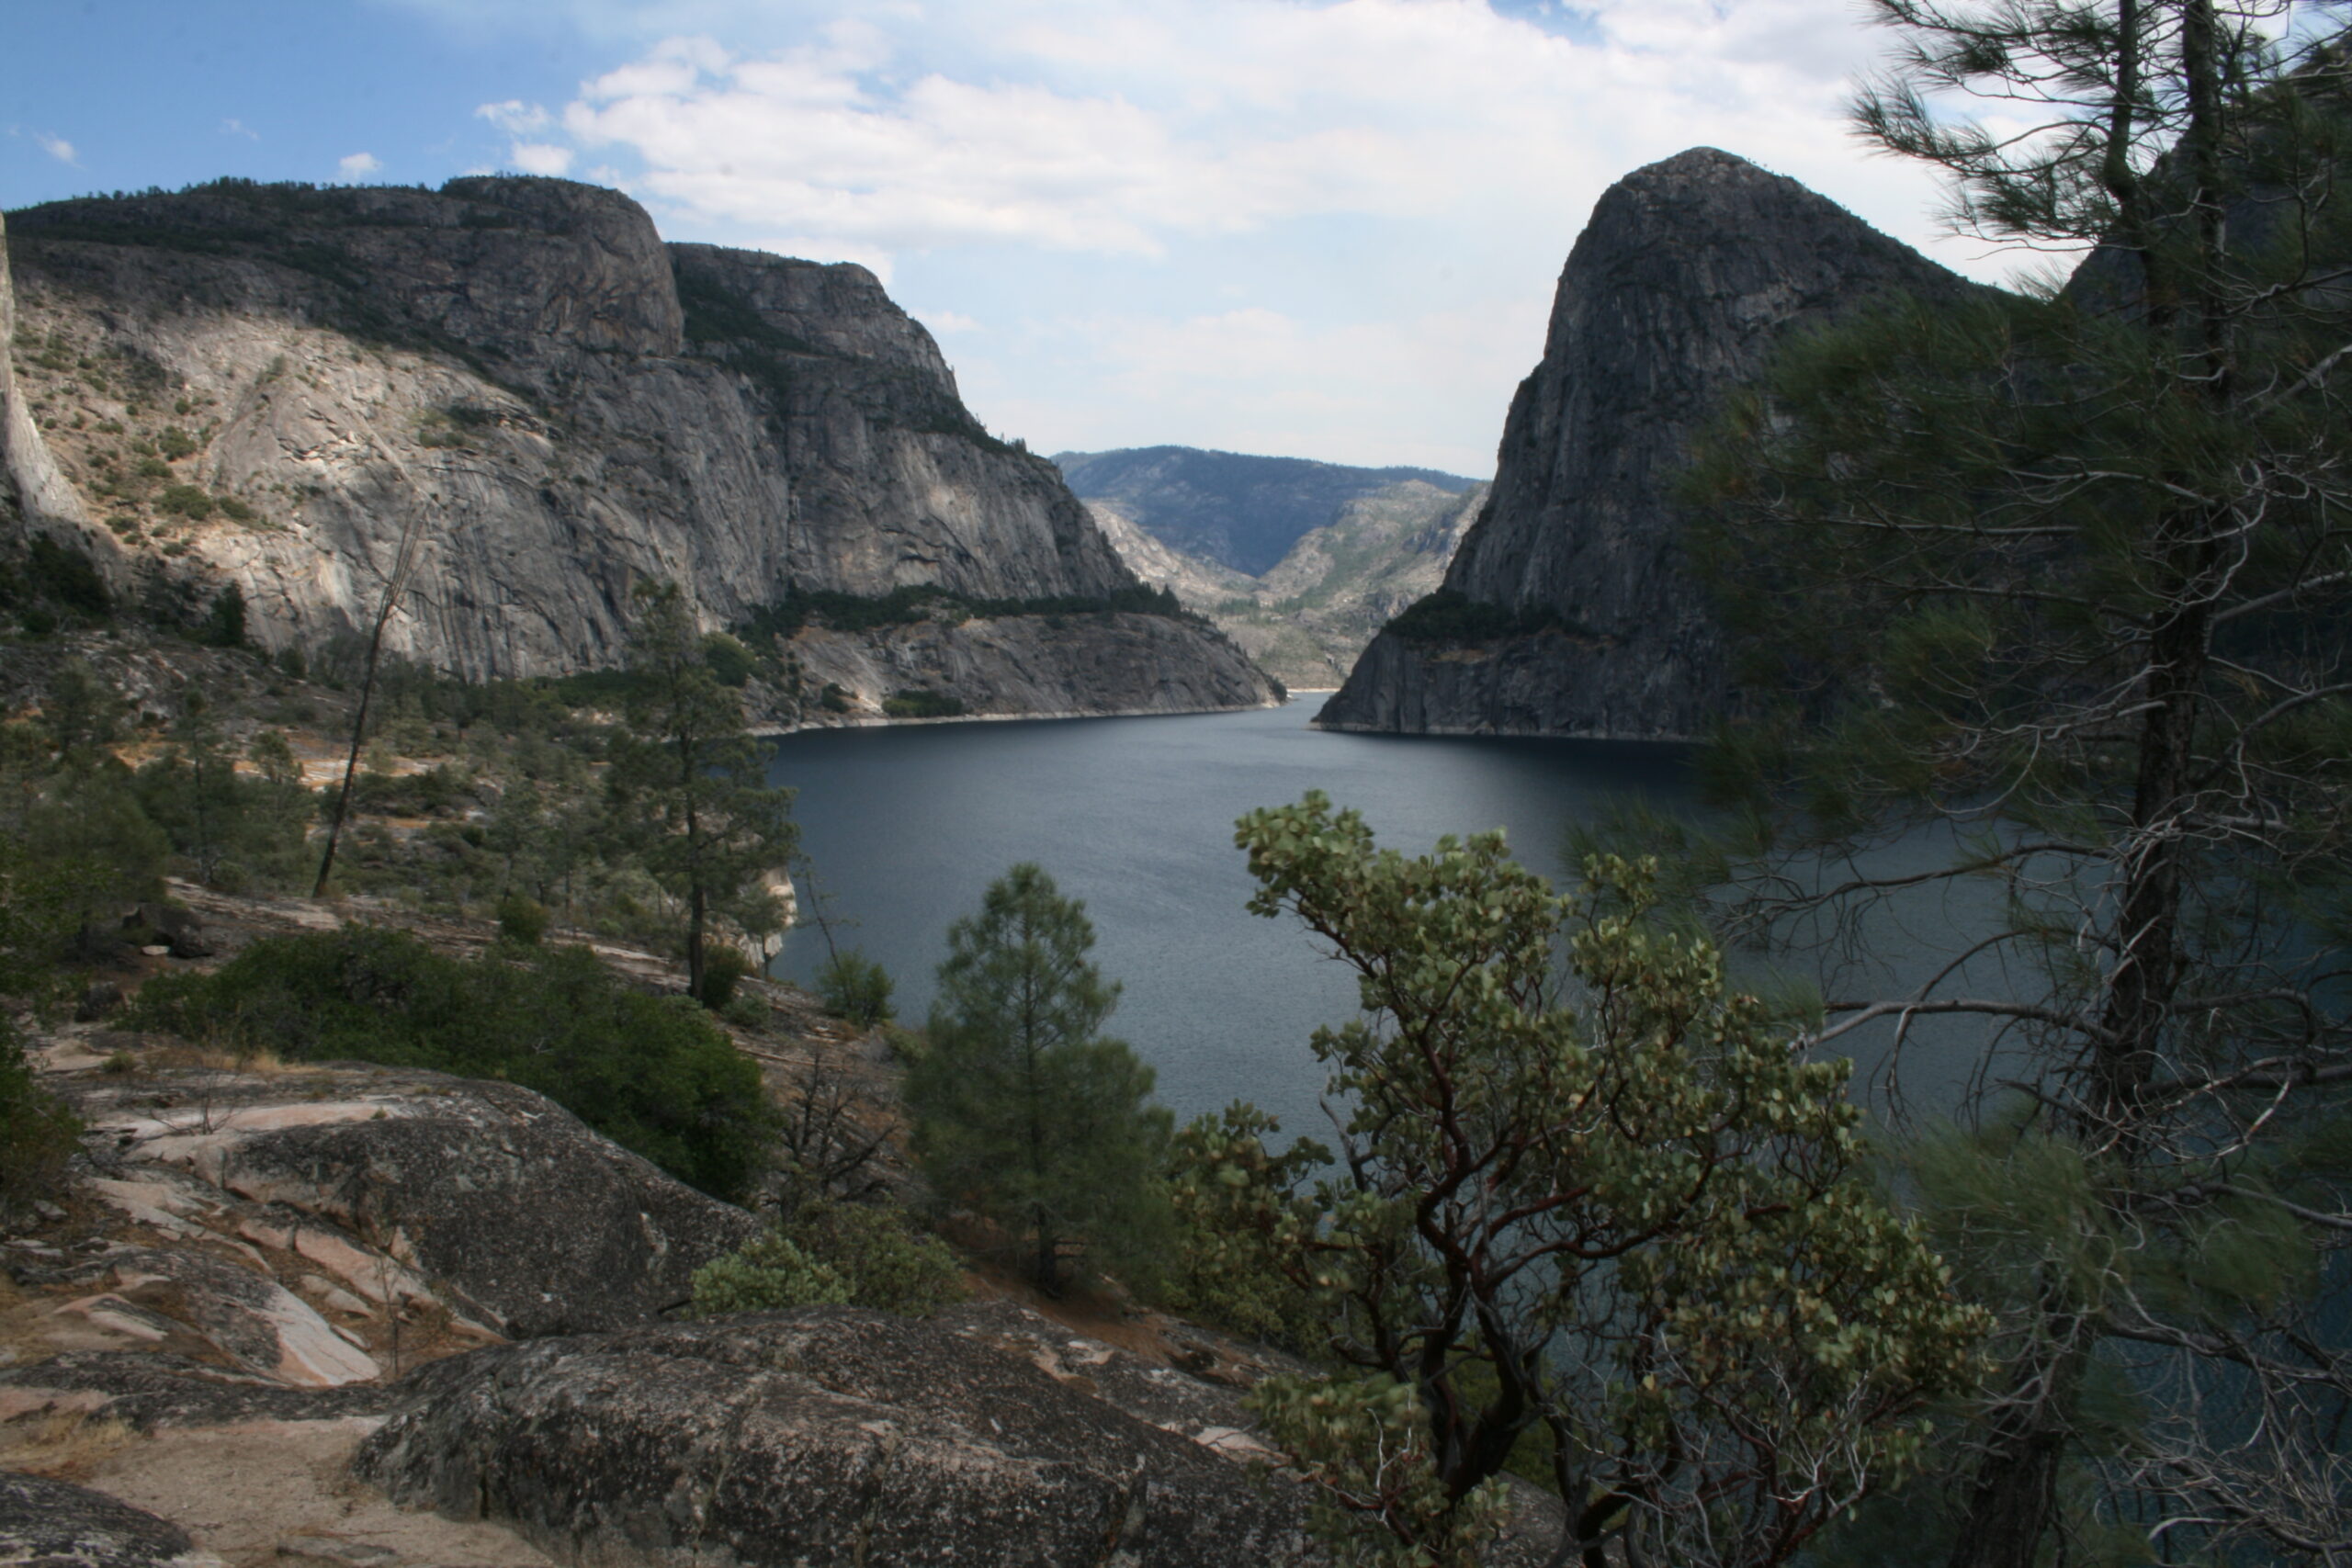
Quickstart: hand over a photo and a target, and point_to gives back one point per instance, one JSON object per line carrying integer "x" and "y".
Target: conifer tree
{"x": 692, "y": 779}
{"x": 2068, "y": 571}
{"x": 1023, "y": 1110}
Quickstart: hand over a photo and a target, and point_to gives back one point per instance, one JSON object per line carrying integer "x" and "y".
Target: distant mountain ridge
{"x": 1242, "y": 512}
{"x": 1305, "y": 621}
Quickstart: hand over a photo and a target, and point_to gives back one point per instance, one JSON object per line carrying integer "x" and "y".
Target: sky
{"x": 1324, "y": 229}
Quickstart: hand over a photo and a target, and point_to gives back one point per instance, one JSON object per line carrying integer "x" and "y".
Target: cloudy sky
{"x": 1320, "y": 228}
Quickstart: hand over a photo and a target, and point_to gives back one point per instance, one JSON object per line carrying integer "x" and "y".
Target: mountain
{"x": 1305, "y": 621}
{"x": 1576, "y": 614}
{"x": 275, "y": 387}
{"x": 1243, "y": 513}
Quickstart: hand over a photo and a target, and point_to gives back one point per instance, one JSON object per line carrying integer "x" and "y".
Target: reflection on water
{"x": 907, "y": 826}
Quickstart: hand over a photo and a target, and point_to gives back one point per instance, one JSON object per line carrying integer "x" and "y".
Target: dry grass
{"x": 62, "y": 1444}
{"x": 222, "y": 1059}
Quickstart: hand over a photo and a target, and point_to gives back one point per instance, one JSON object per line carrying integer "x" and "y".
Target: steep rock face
{"x": 894, "y": 482}
{"x": 1687, "y": 274}
{"x": 35, "y": 487}
{"x": 1038, "y": 666}
{"x": 275, "y": 386}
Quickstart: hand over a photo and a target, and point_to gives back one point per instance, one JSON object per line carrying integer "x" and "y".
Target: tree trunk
{"x": 351, "y": 760}
{"x": 2012, "y": 1504}
{"x": 1048, "y": 1266}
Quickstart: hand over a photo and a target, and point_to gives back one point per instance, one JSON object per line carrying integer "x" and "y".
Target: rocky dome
{"x": 1687, "y": 273}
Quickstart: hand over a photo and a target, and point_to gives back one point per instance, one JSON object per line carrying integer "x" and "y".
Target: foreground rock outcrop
{"x": 820, "y": 1436}
{"x": 55, "y": 1524}
{"x": 275, "y": 386}
{"x": 1687, "y": 274}
{"x": 275, "y": 1321}
{"x": 396, "y": 1190}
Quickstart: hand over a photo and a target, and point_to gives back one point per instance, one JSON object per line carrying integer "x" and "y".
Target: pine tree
{"x": 2068, "y": 570}
{"x": 1023, "y": 1110}
{"x": 691, "y": 779}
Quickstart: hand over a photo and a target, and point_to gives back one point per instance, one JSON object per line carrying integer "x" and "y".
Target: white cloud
{"x": 1328, "y": 227}
{"x": 516, "y": 118}
{"x": 58, "y": 148}
{"x": 239, "y": 127}
{"x": 1117, "y": 129}
{"x": 359, "y": 166}
{"x": 540, "y": 158}
{"x": 1260, "y": 380}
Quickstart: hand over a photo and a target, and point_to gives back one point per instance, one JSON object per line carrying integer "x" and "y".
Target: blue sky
{"x": 1328, "y": 229}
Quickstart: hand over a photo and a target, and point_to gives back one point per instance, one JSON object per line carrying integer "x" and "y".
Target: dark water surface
{"x": 907, "y": 826}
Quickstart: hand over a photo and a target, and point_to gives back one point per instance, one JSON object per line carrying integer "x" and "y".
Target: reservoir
{"x": 906, "y": 826}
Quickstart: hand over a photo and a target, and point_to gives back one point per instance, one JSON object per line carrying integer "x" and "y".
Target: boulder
{"x": 55, "y": 1524}
{"x": 820, "y": 1437}
{"x": 167, "y": 926}
{"x": 410, "y": 1187}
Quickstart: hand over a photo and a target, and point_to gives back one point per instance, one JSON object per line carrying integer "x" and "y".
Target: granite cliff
{"x": 1586, "y": 621}
{"x": 275, "y": 385}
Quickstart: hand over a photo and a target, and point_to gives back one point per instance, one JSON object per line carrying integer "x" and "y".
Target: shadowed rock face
{"x": 1687, "y": 274}
{"x": 519, "y": 371}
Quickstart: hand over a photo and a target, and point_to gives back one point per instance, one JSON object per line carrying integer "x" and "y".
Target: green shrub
{"x": 38, "y": 1133}
{"x": 927, "y": 602}
{"x": 730, "y": 662}
{"x": 67, "y": 577}
{"x": 186, "y": 501}
{"x": 856, "y": 1254}
{"x": 522, "y": 920}
{"x": 854, "y": 987}
{"x": 224, "y": 624}
{"x": 921, "y": 702}
{"x": 724, "y": 968}
{"x": 833, "y": 699}
{"x": 1450, "y": 615}
{"x": 768, "y": 1275}
{"x": 652, "y": 1074}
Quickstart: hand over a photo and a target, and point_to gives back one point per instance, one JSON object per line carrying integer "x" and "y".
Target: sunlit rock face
{"x": 1688, "y": 273}
{"x": 276, "y": 387}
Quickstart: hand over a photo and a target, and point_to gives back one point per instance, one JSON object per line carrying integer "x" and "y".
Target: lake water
{"x": 906, "y": 826}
